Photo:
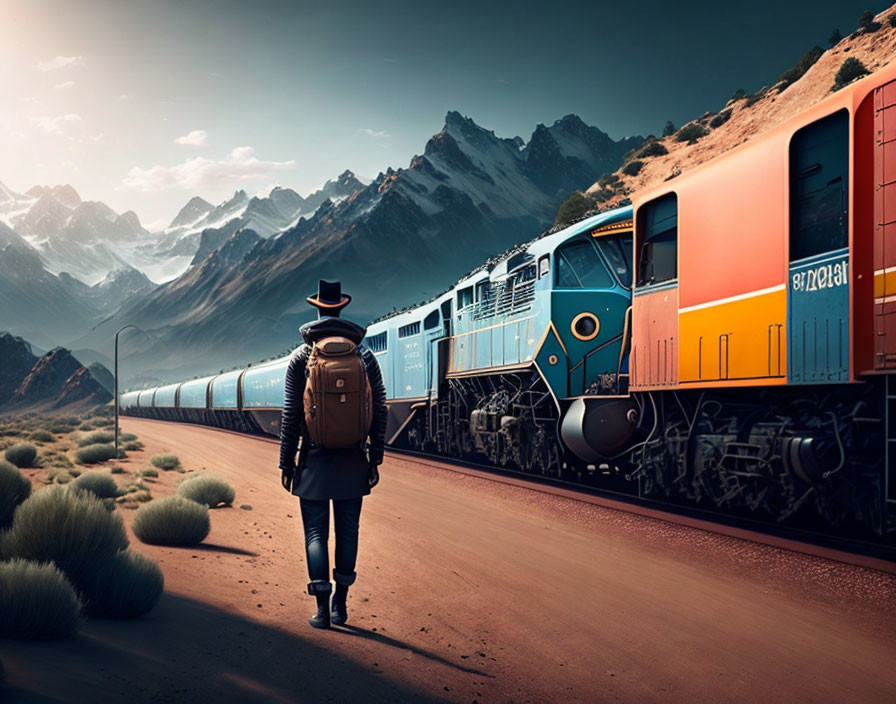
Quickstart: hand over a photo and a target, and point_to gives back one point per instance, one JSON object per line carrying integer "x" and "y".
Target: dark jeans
{"x": 316, "y": 521}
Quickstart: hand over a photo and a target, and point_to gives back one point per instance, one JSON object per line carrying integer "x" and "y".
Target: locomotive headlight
{"x": 585, "y": 326}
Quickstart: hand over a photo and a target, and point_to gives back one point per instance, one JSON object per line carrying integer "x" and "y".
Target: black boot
{"x": 321, "y": 591}
{"x": 339, "y": 614}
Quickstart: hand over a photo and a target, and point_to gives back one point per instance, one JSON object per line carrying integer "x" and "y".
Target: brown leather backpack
{"x": 337, "y": 400}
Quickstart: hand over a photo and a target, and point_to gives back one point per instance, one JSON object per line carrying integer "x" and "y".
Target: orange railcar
{"x": 775, "y": 263}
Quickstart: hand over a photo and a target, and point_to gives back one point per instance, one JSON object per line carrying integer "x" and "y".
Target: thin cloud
{"x": 374, "y": 133}
{"x": 196, "y": 138}
{"x": 55, "y": 125}
{"x": 65, "y": 86}
{"x": 59, "y": 62}
{"x": 239, "y": 166}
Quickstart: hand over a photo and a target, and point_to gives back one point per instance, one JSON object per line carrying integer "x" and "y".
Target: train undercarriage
{"x": 807, "y": 457}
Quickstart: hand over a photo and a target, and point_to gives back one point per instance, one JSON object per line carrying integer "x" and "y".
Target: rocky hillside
{"x": 747, "y": 115}
{"x": 17, "y": 360}
{"x": 399, "y": 239}
{"x": 53, "y": 381}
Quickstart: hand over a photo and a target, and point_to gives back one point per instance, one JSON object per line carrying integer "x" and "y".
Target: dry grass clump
{"x": 148, "y": 472}
{"x": 43, "y": 436}
{"x": 96, "y": 438}
{"x": 127, "y": 437}
{"x": 166, "y": 461}
{"x": 37, "y": 600}
{"x": 172, "y": 520}
{"x": 14, "y": 489}
{"x": 133, "y": 446}
{"x": 94, "y": 454}
{"x": 21, "y": 454}
{"x": 127, "y": 587}
{"x": 98, "y": 483}
{"x": 54, "y": 458}
{"x": 73, "y": 529}
{"x": 207, "y": 489}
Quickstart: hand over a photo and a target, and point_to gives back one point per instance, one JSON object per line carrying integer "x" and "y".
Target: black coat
{"x": 329, "y": 473}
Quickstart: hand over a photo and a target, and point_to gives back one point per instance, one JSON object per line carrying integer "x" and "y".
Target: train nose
{"x": 595, "y": 429}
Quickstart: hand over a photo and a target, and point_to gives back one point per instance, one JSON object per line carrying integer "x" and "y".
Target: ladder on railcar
{"x": 889, "y": 493}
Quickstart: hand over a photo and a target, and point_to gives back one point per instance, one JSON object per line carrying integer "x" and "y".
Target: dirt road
{"x": 469, "y": 590}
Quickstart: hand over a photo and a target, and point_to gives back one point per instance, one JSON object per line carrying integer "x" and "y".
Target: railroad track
{"x": 855, "y": 552}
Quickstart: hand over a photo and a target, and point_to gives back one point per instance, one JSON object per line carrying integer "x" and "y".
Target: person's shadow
{"x": 395, "y": 643}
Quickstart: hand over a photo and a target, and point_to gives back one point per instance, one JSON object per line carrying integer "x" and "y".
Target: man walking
{"x": 334, "y": 414}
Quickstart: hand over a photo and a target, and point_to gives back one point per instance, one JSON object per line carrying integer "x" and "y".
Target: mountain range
{"x": 243, "y": 268}
{"x": 403, "y": 237}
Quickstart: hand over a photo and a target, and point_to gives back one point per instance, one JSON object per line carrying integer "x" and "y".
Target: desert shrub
{"x": 97, "y": 437}
{"x": 610, "y": 180}
{"x": 668, "y": 128}
{"x": 59, "y": 461}
{"x": 850, "y": 70}
{"x": 206, "y": 489}
{"x": 133, "y": 446}
{"x": 63, "y": 478}
{"x": 127, "y": 587}
{"x": 570, "y": 210}
{"x": 739, "y": 94}
{"x": 834, "y": 38}
{"x": 173, "y": 520}
{"x": 652, "y": 148}
{"x": 755, "y": 97}
{"x": 105, "y": 411}
{"x": 37, "y": 601}
{"x": 73, "y": 529}
{"x": 103, "y": 422}
{"x": 867, "y": 23}
{"x": 14, "y": 489}
{"x": 690, "y": 133}
{"x": 127, "y": 437}
{"x": 116, "y": 469}
{"x": 720, "y": 119}
{"x": 149, "y": 472}
{"x": 632, "y": 168}
{"x": 11, "y": 432}
{"x": 99, "y": 484}
{"x": 807, "y": 60}
{"x": 93, "y": 454}
{"x": 42, "y": 436}
{"x": 21, "y": 454}
{"x": 165, "y": 460}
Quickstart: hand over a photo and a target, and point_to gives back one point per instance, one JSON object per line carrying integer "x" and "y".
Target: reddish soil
{"x": 470, "y": 590}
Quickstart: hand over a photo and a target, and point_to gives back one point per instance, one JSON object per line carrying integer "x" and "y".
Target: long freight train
{"x": 727, "y": 342}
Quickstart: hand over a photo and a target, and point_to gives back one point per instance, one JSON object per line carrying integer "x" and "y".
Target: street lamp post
{"x": 116, "y": 384}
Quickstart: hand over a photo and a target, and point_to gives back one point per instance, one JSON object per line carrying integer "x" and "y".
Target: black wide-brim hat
{"x": 329, "y": 296}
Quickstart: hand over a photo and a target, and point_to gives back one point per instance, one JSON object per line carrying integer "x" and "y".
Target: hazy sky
{"x": 145, "y": 103}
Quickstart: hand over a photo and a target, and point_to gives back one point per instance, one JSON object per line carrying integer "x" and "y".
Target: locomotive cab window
{"x": 658, "y": 240}
{"x": 432, "y": 320}
{"x": 580, "y": 266}
{"x": 819, "y": 187}
{"x": 464, "y": 297}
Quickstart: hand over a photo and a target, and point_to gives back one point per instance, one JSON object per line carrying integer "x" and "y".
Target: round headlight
{"x": 585, "y": 326}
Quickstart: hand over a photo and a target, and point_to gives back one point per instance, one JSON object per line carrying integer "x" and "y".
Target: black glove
{"x": 373, "y": 476}
{"x": 286, "y": 477}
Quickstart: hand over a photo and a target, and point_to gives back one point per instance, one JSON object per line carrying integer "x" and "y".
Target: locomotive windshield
{"x": 580, "y": 266}
{"x": 618, "y": 252}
